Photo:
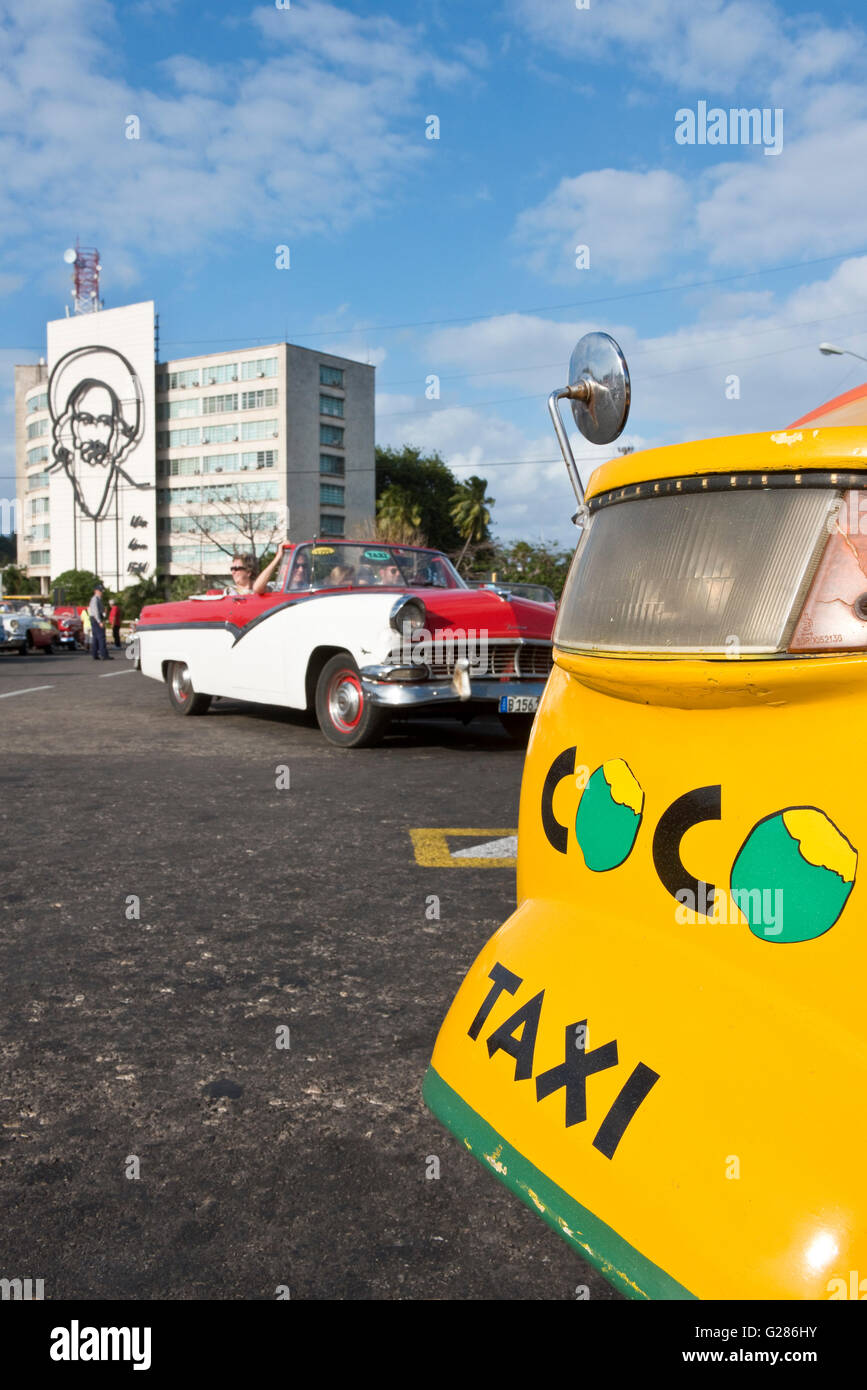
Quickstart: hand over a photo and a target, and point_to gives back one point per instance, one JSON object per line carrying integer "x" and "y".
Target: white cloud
{"x": 711, "y": 44}
{"x": 629, "y": 221}
{"x": 810, "y": 197}
{"x": 306, "y": 138}
{"x": 679, "y": 382}
{"x": 808, "y": 201}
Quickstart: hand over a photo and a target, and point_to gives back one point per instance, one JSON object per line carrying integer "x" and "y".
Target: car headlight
{"x": 408, "y": 611}
{"x": 14, "y": 625}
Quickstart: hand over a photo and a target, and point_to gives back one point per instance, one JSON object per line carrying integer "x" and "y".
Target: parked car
{"x": 70, "y": 628}
{"x": 663, "y": 1051}
{"x": 539, "y": 593}
{"x": 25, "y": 627}
{"x": 358, "y": 632}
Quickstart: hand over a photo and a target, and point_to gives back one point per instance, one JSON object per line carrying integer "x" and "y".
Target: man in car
{"x": 390, "y": 574}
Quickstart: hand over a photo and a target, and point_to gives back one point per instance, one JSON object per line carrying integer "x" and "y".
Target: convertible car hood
{"x": 483, "y": 608}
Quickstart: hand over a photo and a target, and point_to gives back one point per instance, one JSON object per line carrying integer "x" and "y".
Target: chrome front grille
{"x": 515, "y": 659}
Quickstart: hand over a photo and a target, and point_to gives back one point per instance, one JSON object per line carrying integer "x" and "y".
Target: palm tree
{"x": 469, "y": 512}
{"x": 397, "y": 514}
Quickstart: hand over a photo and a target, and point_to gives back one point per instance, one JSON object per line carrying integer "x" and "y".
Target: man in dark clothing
{"x": 97, "y": 623}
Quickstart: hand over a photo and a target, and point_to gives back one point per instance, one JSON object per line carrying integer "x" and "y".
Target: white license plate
{"x": 519, "y": 704}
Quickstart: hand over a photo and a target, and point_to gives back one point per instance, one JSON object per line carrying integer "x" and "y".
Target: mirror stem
{"x": 569, "y": 393}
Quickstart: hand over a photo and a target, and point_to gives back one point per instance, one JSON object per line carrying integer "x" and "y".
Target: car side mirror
{"x": 599, "y": 391}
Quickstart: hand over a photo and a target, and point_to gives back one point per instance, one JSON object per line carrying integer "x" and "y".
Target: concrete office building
{"x": 131, "y": 467}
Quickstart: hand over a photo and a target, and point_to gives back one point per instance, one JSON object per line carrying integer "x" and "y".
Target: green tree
{"x": 15, "y": 581}
{"x": 398, "y": 515}
{"x": 469, "y": 511}
{"x": 77, "y": 586}
{"x": 523, "y": 562}
{"x": 134, "y": 599}
{"x": 428, "y": 484}
{"x": 8, "y": 550}
{"x": 185, "y": 585}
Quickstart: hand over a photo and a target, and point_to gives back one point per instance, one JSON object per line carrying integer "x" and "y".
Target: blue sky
{"x": 305, "y": 126}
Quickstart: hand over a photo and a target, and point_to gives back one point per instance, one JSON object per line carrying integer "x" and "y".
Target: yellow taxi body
{"x": 679, "y": 1092}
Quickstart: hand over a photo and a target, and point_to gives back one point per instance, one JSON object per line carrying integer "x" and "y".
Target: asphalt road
{"x": 153, "y": 1038}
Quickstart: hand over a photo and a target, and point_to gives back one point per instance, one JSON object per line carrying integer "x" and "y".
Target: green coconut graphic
{"x": 609, "y": 814}
{"x": 793, "y": 875}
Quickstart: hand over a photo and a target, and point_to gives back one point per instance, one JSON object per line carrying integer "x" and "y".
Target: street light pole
{"x": 830, "y": 350}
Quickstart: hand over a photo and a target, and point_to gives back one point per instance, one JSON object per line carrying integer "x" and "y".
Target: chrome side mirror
{"x": 600, "y": 392}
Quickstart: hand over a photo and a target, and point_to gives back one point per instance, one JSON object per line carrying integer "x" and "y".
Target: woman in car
{"x": 243, "y": 570}
{"x": 340, "y": 575}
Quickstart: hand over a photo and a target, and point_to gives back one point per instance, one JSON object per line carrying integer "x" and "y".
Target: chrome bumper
{"x": 407, "y": 694}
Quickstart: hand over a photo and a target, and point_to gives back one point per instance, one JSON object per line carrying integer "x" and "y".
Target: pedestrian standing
{"x": 115, "y": 618}
{"x": 99, "y": 651}
{"x": 85, "y": 629}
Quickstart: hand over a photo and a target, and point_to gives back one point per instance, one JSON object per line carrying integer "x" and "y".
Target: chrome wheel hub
{"x": 344, "y": 702}
{"x": 181, "y": 686}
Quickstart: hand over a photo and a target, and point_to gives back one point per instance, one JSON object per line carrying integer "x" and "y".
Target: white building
{"x": 131, "y": 468}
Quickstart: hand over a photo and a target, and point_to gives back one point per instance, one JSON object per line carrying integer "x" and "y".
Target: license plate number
{"x": 518, "y": 704}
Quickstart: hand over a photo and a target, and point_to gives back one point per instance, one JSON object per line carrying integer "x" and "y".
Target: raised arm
{"x": 260, "y": 583}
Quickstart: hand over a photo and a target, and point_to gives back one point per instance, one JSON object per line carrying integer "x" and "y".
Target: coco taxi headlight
{"x": 12, "y": 624}
{"x": 408, "y": 613}
{"x": 724, "y": 571}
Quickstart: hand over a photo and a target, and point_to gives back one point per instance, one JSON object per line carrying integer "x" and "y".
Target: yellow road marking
{"x": 431, "y": 848}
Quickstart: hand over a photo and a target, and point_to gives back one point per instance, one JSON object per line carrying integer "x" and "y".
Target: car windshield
{"x": 11, "y": 606}
{"x": 339, "y": 565}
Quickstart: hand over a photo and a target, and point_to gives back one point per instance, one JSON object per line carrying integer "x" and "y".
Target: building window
{"x": 242, "y": 492}
{"x": 219, "y": 434}
{"x": 217, "y": 405}
{"x": 37, "y": 480}
{"x": 172, "y": 468}
{"x": 219, "y": 375}
{"x": 41, "y": 533}
{"x": 175, "y": 381}
{"x": 330, "y": 376}
{"x": 331, "y": 405}
{"x": 330, "y": 525}
{"x": 255, "y": 400}
{"x": 331, "y": 434}
{"x": 37, "y": 455}
{"x": 39, "y": 506}
{"x": 37, "y": 403}
{"x": 179, "y": 410}
{"x": 332, "y": 495}
{"x": 40, "y": 557}
{"x": 260, "y": 458}
{"x": 259, "y": 429}
{"x": 259, "y": 366}
{"x": 220, "y": 463}
{"x": 176, "y": 439}
{"x": 332, "y": 463}
{"x": 36, "y": 428}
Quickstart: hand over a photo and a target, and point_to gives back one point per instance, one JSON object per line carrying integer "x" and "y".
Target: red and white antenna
{"x": 85, "y": 278}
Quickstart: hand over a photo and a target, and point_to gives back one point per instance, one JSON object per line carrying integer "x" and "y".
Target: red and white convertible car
{"x": 360, "y": 632}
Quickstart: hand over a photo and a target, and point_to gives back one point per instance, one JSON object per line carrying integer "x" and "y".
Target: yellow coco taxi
{"x": 663, "y": 1051}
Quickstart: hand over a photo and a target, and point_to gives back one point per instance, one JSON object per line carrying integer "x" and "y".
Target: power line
{"x": 539, "y": 308}
{"x": 642, "y": 352}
